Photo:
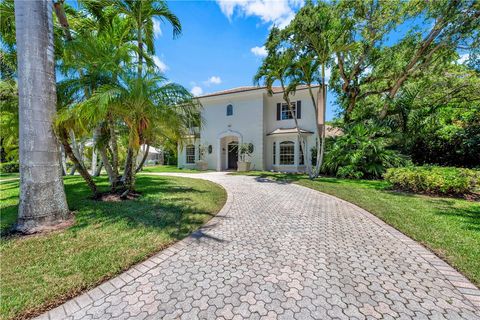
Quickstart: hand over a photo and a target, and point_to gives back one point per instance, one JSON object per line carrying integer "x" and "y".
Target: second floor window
{"x": 284, "y": 112}
{"x": 229, "y": 110}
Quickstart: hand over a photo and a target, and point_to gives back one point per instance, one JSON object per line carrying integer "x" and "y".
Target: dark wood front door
{"x": 232, "y": 155}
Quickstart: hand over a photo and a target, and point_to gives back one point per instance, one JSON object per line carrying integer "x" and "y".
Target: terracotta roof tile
{"x": 247, "y": 88}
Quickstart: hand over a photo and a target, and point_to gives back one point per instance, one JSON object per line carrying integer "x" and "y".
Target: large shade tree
{"x": 42, "y": 195}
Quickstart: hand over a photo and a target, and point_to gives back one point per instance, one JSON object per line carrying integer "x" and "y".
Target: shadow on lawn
{"x": 468, "y": 217}
{"x": 164, "y": 206}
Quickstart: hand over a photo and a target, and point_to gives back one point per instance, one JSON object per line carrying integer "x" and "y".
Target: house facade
{"x": 250, "y": 115}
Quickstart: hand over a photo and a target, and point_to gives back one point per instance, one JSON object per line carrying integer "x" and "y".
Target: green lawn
{"x": 450, "y": 227}
{"x": 107, "y": 238}
{"x": 4, "y": 176}
{"x": 167, "y": 168}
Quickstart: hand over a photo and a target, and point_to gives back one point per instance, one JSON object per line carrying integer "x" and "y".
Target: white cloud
{"x": 196, "y": 91}
{"x": 463, "y": 57}
{"x": 328, "y": 74}
{"x": 160, "y": 64}
{"x": 213, "y": 80}
{"x": 157, "y": 31}
{"x": 259, "y": 51}
{"x": 279, "y": 12}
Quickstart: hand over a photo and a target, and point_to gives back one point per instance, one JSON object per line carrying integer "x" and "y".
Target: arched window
{"x": 229, "y": 110}
{"x": 190, "y": 153}
{"x": 287, "y": 153}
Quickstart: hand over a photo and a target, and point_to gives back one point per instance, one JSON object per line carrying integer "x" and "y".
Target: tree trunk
{"x": 322, "y": 146}
{"x": 144, "y": 158}
{"x": 311, "y": 174}
{"x": 42, "y": 196}
{"x": 300, "y": 137}
{"x": 112, "y": 177}
{"x": 93, "y": 168}
{"x": 114, "y": 144}
{"x": 81, "y": 169}
{"x": 98, "y": 171}
{"x": 76, "y": 151}
{"x": 63, "y": 161}
{"x": 128, "y": 174}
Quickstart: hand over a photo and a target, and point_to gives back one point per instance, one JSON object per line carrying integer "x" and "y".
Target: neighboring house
{"x": 155, "y": 155}
{"x": 251, "y": 115}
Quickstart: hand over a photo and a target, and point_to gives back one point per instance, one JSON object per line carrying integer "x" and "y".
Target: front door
{"x": 232, "y": 155}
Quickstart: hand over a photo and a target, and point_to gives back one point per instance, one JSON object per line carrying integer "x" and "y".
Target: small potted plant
{"x": 245, "y": 150}
{"x": 201, "y": 164}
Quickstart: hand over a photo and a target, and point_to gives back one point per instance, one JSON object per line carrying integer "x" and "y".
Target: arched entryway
{"x": 227, "y": 151}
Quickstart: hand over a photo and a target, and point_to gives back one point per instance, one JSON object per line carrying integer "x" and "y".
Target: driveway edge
{"x": 458, "y": 281}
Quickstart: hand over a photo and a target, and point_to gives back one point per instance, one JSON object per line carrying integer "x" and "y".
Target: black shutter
{"x": 299, "y": 109}
{"x": 279, "y": 106}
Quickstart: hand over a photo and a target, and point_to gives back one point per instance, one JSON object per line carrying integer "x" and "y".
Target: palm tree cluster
{"x": 109, "y": 90}
{"x": 299, "y": 55}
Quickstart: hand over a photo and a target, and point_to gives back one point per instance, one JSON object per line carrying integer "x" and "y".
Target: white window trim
{"x": 287, "y": 111}
{"x": 290, "y": 143}
{"x": 187, "y": 155}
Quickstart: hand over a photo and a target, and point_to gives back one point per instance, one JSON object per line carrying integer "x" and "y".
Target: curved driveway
{"x": 284, "y": 251}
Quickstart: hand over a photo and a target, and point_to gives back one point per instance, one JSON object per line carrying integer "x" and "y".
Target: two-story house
{"x": 251, "y": 115}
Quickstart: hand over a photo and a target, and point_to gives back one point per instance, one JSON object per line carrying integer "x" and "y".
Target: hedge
{"x": 434, "y": 179}
{"x": 9, "y": 167}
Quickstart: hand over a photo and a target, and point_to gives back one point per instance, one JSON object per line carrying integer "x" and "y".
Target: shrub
{"x": 362, "y": 152}
{"x": 433, "y": 179}
{"x": 9, "y": 167}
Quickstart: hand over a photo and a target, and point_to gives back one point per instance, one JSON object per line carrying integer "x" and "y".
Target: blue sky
{"x": 220, "y": 46}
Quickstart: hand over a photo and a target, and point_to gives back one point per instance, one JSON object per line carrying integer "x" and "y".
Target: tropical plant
{"x": 140, "y": 15}
{"x": 364, "y": 151}
{"x": 316, "y": 33}
{"x": 277, "y": 66}
{"x": 143, "y": 104}
{"x": 245, "y": 150}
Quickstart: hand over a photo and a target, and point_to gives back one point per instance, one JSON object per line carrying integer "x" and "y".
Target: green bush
{"x": 362, "y": 152}
{"x": 9, "y": 167}
{"x": 433, "y": 179}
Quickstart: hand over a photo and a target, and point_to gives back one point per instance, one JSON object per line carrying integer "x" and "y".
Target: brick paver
{"x": 282, "y": 251}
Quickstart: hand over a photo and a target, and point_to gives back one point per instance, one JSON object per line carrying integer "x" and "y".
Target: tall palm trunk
{"x": 300, "y": 137}
{"x": 129, "y": 174}
{"x": 114, "y": 144}
{"x": 322, "y": 125}
{"x": 63, "y": 136}
{"x": 314, "y": 174}
{"x": 42, "y": 195}
{"x": 144, "y": 158}
{"x": 98, "y": 171}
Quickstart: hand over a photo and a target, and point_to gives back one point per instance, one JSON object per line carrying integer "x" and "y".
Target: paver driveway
{"x": 284, "y": 251}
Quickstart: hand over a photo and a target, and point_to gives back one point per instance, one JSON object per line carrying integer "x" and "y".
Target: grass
{"x": 168, "y": 168}
{"x": 41, "y": 271}
{"x": 4, "y": 176}
{"x": 448, "y": 226}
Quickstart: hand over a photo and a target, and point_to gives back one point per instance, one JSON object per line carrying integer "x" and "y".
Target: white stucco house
{"x": 251, "y": 115}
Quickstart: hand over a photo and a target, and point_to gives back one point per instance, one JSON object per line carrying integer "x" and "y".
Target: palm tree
{"x": 140, "y": 15}
{"x": 42, "y": 195}
{"x": 317, "y": 32}
{"x": 140, "y": 103}
{"x": 277, "y": 66}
